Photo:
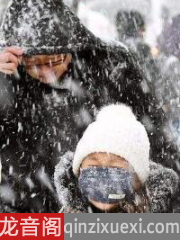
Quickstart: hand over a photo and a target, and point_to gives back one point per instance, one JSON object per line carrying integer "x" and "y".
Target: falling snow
{"x": 42, "y": 121}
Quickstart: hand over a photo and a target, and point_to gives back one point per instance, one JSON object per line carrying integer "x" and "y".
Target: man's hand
{"x": 10, "y": 59}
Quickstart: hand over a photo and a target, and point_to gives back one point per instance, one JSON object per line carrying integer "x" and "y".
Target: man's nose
{"x": 44, "y": 70}
{"x": 45, "y": 67}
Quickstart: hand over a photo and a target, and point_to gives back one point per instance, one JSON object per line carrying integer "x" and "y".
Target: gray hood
{"x": 45, "y": 27}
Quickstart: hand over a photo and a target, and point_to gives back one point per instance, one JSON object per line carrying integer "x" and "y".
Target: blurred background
{"x": 99, "y": 15}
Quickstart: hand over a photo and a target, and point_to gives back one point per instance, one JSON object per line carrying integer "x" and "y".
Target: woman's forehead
{"x": 105, "y": 156}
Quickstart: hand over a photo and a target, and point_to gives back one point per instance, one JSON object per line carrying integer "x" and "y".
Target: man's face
{"x": 47, "y": 68}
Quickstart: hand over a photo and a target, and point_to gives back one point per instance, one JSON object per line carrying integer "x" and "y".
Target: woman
{"x": 111, "y": 171}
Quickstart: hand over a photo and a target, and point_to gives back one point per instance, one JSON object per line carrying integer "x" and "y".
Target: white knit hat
{"x": 116, "y": 131}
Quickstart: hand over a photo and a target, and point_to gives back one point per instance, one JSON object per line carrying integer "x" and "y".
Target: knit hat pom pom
{"x": 116, "y": 112}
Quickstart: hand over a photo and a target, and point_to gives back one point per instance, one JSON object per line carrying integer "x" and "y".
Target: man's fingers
{"x": 9, "y": 58}
{"x": 8, "y": 72}
{"x": 14, "y": 50}
{"x": 12, "y": 59}
{"x": 3, "y": 58}
{"x": 8, "y": 66}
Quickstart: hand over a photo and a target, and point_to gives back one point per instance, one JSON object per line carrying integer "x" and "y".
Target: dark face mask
{"x": 106, "y": 185}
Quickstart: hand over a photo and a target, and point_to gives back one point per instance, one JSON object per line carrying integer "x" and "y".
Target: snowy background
{"x": 99, "y": 15}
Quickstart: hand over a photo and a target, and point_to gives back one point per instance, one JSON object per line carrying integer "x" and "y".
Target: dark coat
{"x": 169, "y": 39}
{"x": 38, "y": 124}
{"x": 161, "y": 186}
{"x": 144, "y": 58}
{"x": 167, "y": 85}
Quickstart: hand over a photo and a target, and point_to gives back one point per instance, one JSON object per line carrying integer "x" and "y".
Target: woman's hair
{"x": 140, "y": 205}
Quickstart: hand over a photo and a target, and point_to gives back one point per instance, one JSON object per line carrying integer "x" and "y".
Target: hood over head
{"x": 45, "y": 27}
{"x": 129, "y": 24}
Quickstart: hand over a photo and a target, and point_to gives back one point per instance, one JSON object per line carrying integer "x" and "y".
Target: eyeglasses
{"x": 39, "y": 61}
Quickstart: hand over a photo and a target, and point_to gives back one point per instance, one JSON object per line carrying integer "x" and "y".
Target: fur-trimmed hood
{"x": 162, "y": 185}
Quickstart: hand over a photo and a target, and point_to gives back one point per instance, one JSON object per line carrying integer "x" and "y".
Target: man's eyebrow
{"x": 53, "y": 59}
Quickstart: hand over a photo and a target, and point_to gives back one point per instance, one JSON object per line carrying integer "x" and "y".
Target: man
{"x": 131, "y": 28}
{"x": 64, "y": 75}
{"x": 130, "y": 25}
